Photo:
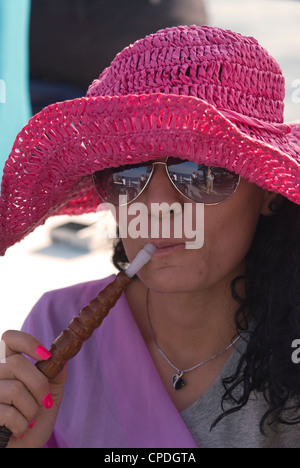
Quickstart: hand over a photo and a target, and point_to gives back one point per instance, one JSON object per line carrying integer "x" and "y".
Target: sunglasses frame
{"x": 164, "y": 163}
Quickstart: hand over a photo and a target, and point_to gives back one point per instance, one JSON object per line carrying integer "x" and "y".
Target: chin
{"x": 169, "y": 279}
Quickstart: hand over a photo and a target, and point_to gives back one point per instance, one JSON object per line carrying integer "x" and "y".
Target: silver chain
{"x": 197, "y": 365}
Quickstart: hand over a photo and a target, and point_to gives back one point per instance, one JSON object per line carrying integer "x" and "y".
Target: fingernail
{"x": 42, "y": 352}
{"x": 47, "y": 401}
{"x": 22, "y": 436}
{"x": 32, "y": 424}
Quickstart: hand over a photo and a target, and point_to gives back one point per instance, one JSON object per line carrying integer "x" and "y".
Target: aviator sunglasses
{"x": 197, "y": 182}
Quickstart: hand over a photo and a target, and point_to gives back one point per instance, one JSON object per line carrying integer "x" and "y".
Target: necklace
{"x": 177, "y": 379}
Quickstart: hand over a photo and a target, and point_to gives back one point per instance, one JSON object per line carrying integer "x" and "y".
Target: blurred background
{"x": 51, "y": 50}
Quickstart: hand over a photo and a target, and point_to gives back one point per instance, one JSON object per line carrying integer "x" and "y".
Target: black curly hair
{"x": 268, "y": 316}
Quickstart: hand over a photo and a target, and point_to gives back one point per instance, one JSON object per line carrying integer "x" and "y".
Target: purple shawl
{"x": 114, "y": 396}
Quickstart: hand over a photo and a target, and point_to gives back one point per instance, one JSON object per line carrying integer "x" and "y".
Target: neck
{"x": 200, "y": 324}
{"x": 190, "y": 326}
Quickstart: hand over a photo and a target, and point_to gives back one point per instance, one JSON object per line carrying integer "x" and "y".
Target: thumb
{"x": 57, "y": 384}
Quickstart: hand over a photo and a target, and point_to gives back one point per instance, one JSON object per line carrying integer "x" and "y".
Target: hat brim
{"x": 49, "y": 169}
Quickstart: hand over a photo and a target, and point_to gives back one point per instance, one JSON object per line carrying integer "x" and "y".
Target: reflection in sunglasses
{"x": 198, "y": 182}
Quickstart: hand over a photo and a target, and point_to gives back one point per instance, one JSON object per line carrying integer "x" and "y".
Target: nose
{"x": 160, "y": 189}
{"x": 162, "y": 199}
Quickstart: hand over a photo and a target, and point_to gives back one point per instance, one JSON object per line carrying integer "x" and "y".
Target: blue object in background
{"x": 15, "y": 106}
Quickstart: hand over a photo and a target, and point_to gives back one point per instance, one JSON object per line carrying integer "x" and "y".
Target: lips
{"x": 166, "y": 247}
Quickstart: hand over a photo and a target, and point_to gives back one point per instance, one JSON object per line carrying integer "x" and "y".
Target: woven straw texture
{"x": 201, "y": 93}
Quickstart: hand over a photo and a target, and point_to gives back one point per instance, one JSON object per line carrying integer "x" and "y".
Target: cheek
{"x": 131, "y": 247}
{"x": 228, "y": 239}
{"x": 128, "y": 231}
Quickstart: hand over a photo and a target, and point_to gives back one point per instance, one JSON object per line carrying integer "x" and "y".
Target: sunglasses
{"x": 197, "y": 182}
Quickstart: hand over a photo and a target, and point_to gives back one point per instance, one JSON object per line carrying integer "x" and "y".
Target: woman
{"x": 198, "y": 350}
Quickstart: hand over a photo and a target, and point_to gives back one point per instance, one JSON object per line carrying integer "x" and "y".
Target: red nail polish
{"x": 32, "y": 424}
{"x": 42, "y": 352}
{"x": 48, "y": 401}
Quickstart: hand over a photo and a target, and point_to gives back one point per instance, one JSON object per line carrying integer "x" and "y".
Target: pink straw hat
{"x": 199, "y": 93}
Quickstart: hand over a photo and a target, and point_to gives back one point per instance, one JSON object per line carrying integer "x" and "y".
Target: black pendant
{"x": 178, "y": 381}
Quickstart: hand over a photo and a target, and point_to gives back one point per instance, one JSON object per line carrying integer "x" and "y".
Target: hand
{"x": 29, "y": 402}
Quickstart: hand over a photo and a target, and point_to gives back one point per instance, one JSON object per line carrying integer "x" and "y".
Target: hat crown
{"x": 226, "y": 69}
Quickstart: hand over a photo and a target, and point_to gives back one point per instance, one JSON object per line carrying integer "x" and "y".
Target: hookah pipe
{"x": 81, "y": 328}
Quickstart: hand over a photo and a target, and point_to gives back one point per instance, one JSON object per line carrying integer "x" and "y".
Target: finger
{"x": 18, "y": 367}
{"x": 21, "y": 342}
{"x": 14, "y": 393}
{"x": 12, "y": 419}
{"x": 57, "y": 383}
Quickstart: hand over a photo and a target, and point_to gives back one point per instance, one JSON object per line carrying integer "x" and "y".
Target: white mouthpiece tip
{"x": 150, "y": 249}
{"x": 140, "y": 260}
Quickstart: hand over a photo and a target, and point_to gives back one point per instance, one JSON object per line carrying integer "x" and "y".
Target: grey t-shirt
{"x": 239, "y": 429}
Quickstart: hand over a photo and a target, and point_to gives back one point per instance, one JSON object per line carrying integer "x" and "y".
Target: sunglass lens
{"x": 123, "y": 184}
{"x": 201, "y": 183}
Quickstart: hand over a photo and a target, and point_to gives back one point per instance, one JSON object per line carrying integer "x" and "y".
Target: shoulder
{"x": 55, "y": 309}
